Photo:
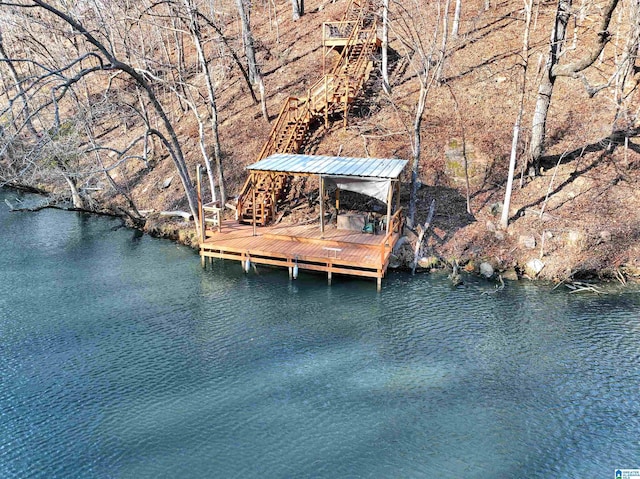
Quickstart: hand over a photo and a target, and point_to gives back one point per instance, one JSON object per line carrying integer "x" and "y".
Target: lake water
{"x": 121, "y": 358}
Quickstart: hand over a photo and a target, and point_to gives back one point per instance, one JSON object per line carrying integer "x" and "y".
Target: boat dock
{"x": 346, "y": 247}
{"x": 304, "y": 247}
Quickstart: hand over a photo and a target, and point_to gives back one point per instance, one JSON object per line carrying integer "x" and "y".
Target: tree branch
{"x": 604, "y": 36}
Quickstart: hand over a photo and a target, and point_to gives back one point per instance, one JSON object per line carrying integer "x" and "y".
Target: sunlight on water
{"x": 123, "y": 359}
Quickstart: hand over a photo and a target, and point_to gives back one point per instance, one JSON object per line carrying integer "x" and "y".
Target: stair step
{"x": 328, "y": 95}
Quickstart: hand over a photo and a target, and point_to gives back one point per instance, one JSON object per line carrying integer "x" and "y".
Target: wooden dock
{"x": 314, "y": 247}
{"x": 304, "y": 247}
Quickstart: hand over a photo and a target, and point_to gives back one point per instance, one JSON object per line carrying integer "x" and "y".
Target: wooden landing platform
{"x": 337, "y": 252}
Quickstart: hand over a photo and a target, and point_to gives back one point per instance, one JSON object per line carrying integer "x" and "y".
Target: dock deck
{"x": 336, "y": 251}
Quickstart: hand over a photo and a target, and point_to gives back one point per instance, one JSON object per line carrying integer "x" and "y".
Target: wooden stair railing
{"x": 330, "y": 94}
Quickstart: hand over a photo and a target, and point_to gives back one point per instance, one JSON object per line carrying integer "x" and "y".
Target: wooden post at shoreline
{"x": 321, "y": 206}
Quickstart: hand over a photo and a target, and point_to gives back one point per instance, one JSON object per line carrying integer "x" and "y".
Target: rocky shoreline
{"x": 479, "y": 264}
{"x": 482, "y": 250}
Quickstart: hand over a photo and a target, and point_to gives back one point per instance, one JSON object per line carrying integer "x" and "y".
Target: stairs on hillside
{"x": 355, "y": 38}
{"x": 269, "y": 190}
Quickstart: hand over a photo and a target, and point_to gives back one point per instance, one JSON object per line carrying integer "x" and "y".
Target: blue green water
{"x": 121, "y": 358}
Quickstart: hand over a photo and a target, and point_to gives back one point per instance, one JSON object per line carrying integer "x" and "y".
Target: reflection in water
{"x": 122, "y": 358}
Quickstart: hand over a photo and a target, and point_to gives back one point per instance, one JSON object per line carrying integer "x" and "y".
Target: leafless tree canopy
{"x": 94, "y": 92}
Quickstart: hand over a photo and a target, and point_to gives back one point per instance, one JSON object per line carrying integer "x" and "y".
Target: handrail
{"x": 395, "y": 222}
{"x": 341, "y": 35}
{"x": 296, "y": 112}
{"x": 352, "y": 6}
{"x": 344, "y": 55}
{"x": 284, "y": 111}
{"x": 366, "y": 51}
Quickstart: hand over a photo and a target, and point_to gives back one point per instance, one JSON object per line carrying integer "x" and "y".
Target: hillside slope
{"x": 580, "y": 216}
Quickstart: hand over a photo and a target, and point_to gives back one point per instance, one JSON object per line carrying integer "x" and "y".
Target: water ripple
{"x": 123, "y": 359}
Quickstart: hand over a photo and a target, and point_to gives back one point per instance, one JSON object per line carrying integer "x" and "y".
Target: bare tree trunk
{"x": 213, "y": 111}
{"x": 247, "y": 41}
{"x": 255, "y": 77}
{"x": 385, "y": 47}
{"x": 77, "y": 200}
{"x": 263, "y": 98}
{"x": 545, "y": 89}
{"x": 456, "y": 19}
{"x": 415, "y": 146}
{"x": 421, "y": 234}
{"x": 179, "y": 48}
{"x": 297, "y": 9}
{"x": 445, "y": 39}
{"x": 464, "y": 149}
{"x": 553, "y": 69}
{"x": 623, "y": 117}
{"x": 504, "y": 219}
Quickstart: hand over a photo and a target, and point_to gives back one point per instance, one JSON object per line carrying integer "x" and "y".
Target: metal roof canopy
{"x": 369, "y": 176}
{"x": 370, "y": 168}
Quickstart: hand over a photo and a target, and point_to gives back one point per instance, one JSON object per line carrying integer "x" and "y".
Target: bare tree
{"x": 554, "y": 69}
{"x": 20, "y": 93}
{"x": 98, "y": 49}
{"x": 456, "y": 19}
{"x": 445, "y": 39}
{"x": 255, "y": 77}
{"x": 297, "y": 8}
{"x": 504, "y": 219}
{"x": 625, "y": 86}
{"x": 194, "y": 28}
{"x": 385, "y": 47}
{"x": 418, "y": 31}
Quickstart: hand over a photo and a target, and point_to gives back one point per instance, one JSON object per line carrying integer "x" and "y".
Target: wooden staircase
{"x": 266, "y": 191}
{"x": 355, "y": 39}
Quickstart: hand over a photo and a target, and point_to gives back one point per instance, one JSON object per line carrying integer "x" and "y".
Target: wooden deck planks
{"x": 339, "y": 251}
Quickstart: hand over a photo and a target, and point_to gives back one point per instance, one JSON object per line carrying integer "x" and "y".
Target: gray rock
{"x": 528, "y": 241}
{"x": 490, "y": 226}
{"x": 533, "y": 267}
{"x": 167, "y": 183}
{"x": 400, "y": 243}
{"x": 394, "y": 261}
{"x": 499, "y": 235}
{"x": 486, "y": 269}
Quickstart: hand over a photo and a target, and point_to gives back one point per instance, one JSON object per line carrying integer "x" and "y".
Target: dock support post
{"x": 326, "y": 99}
{"x": 346, "y": 102}
{"x": 379, "y": 285}
{"x": 253, "y": 193}
{"x": 273, "y": 196}
{"x": 203, "y": 261}
{"x": 321, "y": 206}
{"x": 329, "y": 277}
{"x": 202, "y": 224}
{"x": 290, "y": 272}
{"x": 389, "y": 205}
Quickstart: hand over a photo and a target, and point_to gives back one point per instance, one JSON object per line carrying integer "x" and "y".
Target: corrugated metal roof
{"x": 331, "y": 165}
